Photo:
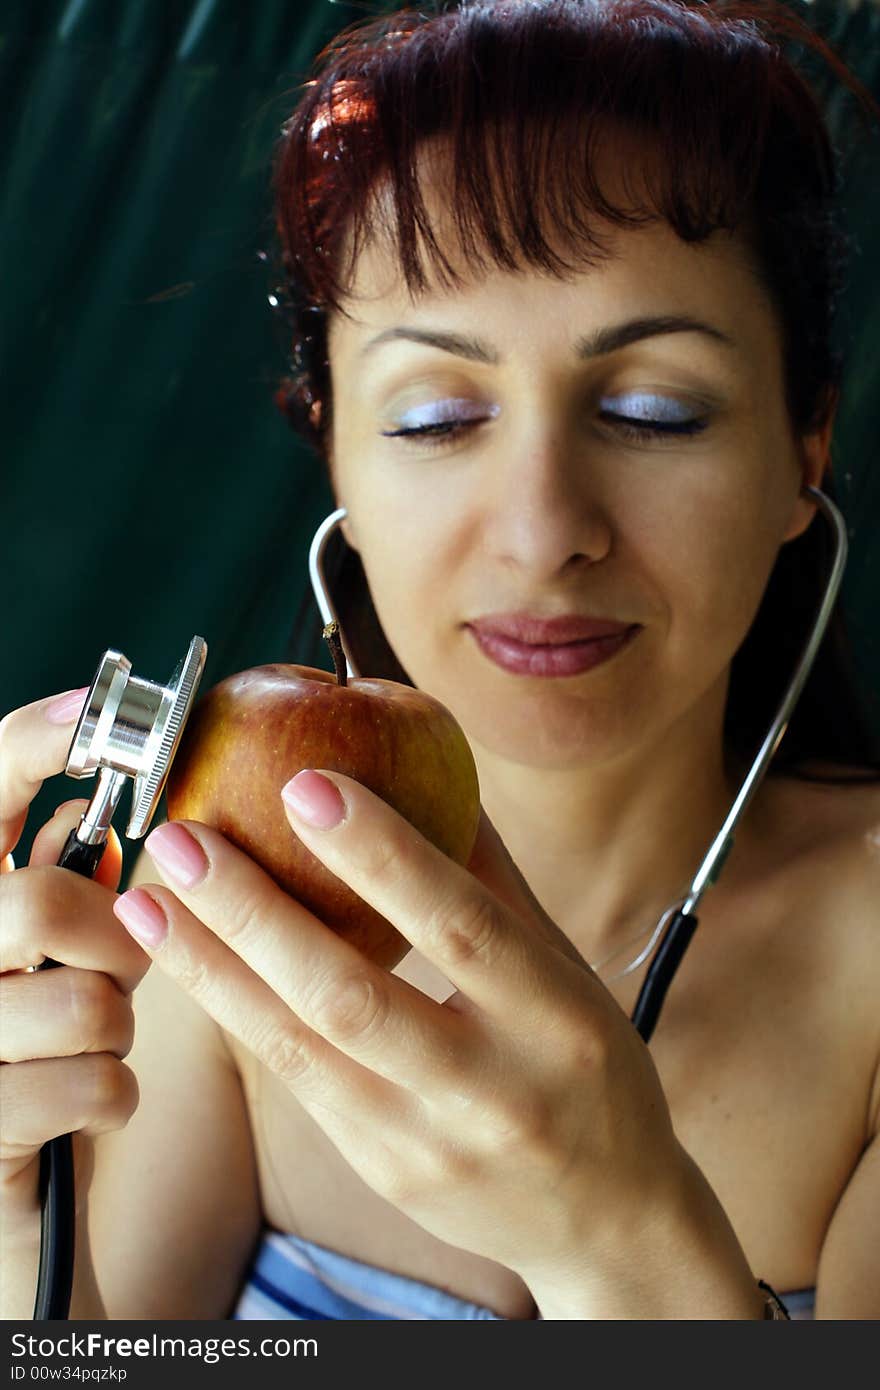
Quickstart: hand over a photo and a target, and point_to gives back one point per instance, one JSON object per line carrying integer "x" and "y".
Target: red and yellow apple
{"x": 255, "y": 730}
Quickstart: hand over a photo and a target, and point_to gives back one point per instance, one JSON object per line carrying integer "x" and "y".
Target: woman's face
{"x": 544, "y": 490}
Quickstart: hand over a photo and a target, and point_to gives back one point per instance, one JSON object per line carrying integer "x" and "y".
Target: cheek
{"x": 412, "y": 584}
{"x": 713, "y": 574}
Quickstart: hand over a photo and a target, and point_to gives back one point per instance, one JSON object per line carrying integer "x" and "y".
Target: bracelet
{"x": 774, "y": 1308}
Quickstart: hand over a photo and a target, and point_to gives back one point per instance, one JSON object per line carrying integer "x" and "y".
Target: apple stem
{"x": 334, "y": 642}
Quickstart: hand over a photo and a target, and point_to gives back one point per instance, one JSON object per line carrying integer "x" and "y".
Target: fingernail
{"x": 142, "y": 916}
{"x": 176, "y": 852}
{"x": 67, "y": 708}
{"x": 314, "y": 799}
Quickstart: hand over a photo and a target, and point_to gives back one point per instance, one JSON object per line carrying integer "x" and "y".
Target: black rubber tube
{"x": 57, "y": 1195}
{"x": 667, "y": 958}
{"x": 57, "y": 1231}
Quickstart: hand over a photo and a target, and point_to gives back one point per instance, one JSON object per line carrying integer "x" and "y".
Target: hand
{"x": 63, "y": 1032}
{"x": 522, "y": 1119}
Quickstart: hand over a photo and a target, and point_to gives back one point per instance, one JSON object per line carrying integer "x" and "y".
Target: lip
{"x": 533, "y": 631}
{"x": 552, "y": 659}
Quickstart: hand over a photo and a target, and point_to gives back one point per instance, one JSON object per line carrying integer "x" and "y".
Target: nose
{"x": 544, "y": 514}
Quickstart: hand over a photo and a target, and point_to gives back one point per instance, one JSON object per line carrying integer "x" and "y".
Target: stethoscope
{"x": 131, "y": 728}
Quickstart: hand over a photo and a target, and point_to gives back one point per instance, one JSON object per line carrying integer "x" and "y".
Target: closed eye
{"x": 639, "y": 429}
{"x": 646, "y": 414}
{"x": 440, "y": 428}
{"x": 637, "y": 416}
{"x": 443, "y": 431}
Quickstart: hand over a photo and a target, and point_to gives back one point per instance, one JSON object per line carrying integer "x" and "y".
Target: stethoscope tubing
{"x": 58, "y": 1207}
{"x": 56, "y": 1181}
{"x": 679, "y": 933}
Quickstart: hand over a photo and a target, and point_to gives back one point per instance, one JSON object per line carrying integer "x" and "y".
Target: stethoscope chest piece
{"x": 131, "y": 727}
{"x": 128, "y": 728}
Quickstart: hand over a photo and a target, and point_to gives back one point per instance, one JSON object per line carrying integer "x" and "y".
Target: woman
{"x": 563, "y": 277}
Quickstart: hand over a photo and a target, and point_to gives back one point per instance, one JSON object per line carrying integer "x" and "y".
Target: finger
{"x": 94, "y": 1092}
{"x": 375, "y": 1018}
{"x": 52, "y": 837}
{"x": 246, "y": 1006}
{"x": 479, "y": 944}
{"x": 33, "y": 746}
{"x": 59, "y": 1013}
{"x": 381, "y": 1129}
{"x": 54, "y": 913}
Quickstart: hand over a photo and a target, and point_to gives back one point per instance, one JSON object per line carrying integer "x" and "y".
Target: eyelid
{"x": 650, "y": 405}
{"x": 444, "y": 411}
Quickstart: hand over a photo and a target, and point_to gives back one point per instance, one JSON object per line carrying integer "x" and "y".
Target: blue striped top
{"x": 292, "y": 1278}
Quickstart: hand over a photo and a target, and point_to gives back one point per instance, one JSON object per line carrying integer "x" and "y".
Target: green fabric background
{"x": 150, "y": 490}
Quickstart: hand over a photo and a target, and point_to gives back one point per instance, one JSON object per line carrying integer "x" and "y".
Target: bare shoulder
{"x": 836, "y": 816}
{"x": 829, "y": 832}
{"x": 820, "y": 848}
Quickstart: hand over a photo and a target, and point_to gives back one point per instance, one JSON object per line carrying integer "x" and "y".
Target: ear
{"x": 814, "y": 450}
{"x": 348, "y": 531}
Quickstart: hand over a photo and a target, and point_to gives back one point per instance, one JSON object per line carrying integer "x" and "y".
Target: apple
{"x": 255, "y": 730}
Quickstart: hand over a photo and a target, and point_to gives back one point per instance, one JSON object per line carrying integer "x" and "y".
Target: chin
{"x": 546, "y": 746}
{"x": 552, "y": 724}
{"x": 545, "y": 726}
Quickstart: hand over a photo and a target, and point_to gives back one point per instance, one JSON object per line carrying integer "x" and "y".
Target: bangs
{"x": 525, "y": 100}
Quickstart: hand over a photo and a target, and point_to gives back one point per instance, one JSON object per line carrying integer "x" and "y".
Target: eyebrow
{"x": 598, "y": 344}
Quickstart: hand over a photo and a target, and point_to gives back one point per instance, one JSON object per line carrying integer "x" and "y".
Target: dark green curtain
{"x": 150, "y": 490}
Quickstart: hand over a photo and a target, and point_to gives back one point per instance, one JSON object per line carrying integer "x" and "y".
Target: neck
{"x": 606, "y": 848}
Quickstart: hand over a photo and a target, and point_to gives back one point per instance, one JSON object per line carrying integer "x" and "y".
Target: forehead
{"x": 646, "y": 263}
{"x": 644, "y": 273}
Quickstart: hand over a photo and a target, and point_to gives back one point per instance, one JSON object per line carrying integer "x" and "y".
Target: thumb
{"x": 492, "y": 864}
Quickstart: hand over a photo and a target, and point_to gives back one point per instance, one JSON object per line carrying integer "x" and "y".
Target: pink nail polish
{"x": 315, "y": 799}
{"x": 177, "y": 853}
{"x": 67, "y": 708}
{"x": 142, "y": 916}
